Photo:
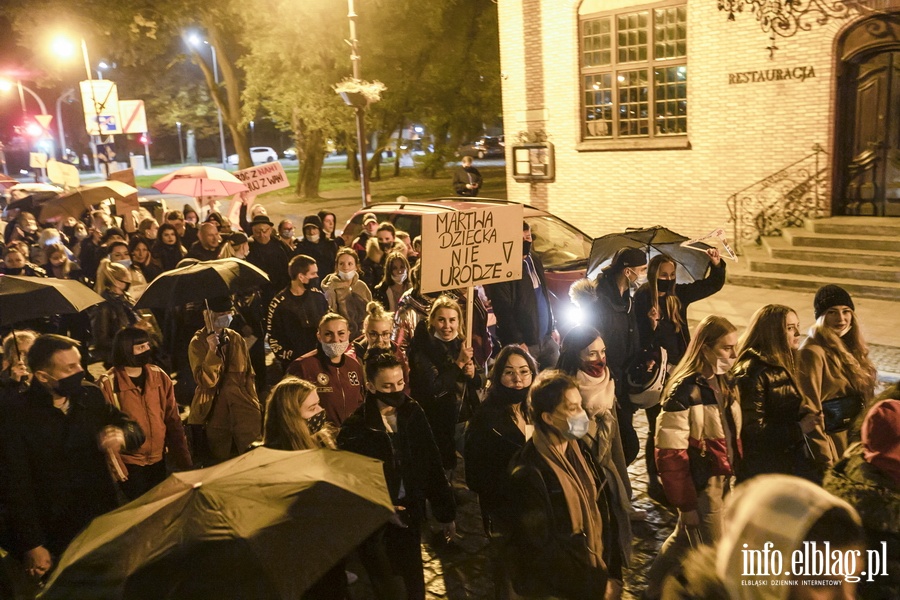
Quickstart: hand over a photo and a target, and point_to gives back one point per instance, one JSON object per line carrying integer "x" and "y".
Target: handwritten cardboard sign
{"x": 462, "y": 249}
{"x": 263, "y": 178}
{"x": 718, "y": 234}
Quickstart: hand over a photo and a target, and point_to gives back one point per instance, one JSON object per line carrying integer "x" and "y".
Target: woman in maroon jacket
{"x": 145, "y": 393}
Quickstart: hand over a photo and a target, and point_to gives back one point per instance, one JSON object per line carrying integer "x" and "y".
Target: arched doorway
{"x": 867, "y": 126}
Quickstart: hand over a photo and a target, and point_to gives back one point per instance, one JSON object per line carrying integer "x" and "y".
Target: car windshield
{"x": 557, "y": 243}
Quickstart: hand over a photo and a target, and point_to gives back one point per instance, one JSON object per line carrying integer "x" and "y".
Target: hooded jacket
{"x": 348, "y": 299}
{"x": 410, "y": 456}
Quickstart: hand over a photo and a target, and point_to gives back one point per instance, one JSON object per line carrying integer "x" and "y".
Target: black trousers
{"x": 404, "y": 550}
{"x": 142, "y": 478}
{"x": 631, "y": 445}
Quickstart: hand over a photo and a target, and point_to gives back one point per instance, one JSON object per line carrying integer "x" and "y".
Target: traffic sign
{"x": 133, "y": 116}
{"x": 44, "y": 121}
{"x": 100, "y": 99}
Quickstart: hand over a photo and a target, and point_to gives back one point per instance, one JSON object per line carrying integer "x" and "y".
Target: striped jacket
{"x": 691, "y": 418}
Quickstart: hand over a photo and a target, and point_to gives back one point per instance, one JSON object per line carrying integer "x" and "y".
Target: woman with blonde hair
{"x": 395, "y": 281}
{"x": 834, "y": 371}
{"x": 237, "y": 245}
{"x": 376, "y": 333}
{"x": 346, "y": 293}
{"x": 107, "y": 318}
{"x": 294, "y": 418}
{"x": 443, "y": 377}
{"x": 698, "y": 442}
{"x": 775, "y": 420}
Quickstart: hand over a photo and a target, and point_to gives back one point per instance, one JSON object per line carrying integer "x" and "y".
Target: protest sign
{"x": 718, "y": 234}
{"x": 263, "y": 178}
{"x": 63, "y": 174}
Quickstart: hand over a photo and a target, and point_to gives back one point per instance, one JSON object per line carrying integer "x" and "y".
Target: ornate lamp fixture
{"x": 784, "y": 18}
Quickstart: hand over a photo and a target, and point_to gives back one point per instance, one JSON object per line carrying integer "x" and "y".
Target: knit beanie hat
{"x": 829, "y": 296}
{"x": 881, "y": 438}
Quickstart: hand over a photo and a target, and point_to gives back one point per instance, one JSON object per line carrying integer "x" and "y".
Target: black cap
{"x": 261, "y": 220}
{"x": 312, "y": 221}
{"x": 237, "y": 238}
{"x": 220, "y": 304}
{"x": 627, "y": 257}
{"x": 830, "y": 296}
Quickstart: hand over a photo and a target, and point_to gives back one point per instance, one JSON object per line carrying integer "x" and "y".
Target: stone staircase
{"x": 861, "y": 254}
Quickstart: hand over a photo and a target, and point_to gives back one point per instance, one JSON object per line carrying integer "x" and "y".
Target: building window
{"x": 634, "y": 72}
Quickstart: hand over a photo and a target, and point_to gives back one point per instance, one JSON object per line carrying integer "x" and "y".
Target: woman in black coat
{"x": 775, "y": 421}
{"x": 443, "y": 377}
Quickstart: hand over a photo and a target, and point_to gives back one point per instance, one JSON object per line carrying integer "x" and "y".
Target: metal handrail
{"x": 782, "y": 199}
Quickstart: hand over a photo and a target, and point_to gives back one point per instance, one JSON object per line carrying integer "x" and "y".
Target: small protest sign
{"x": 37, "y": 160}
{"x": 63, "y": 174}
{"x": 718, "y": 234}
{"x": 462, "y": 249}
{"x": 263, "y": 178}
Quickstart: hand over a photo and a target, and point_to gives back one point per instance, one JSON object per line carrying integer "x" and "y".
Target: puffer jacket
{"x": 348, "y": 299}
{"x": 877, "y": 499}
{"x": 692, "y": 437}
{"x": 154, "y": 410}
{"x": 771, "y": 405}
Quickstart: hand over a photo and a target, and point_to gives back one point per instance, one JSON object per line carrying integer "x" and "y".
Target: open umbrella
{"x": 23, "y": 298}
{"x": 76, "y": 201}
{"x": 29, "y": 196}
{"x": 201, "y": 281}
{"x": 265, "y": 525}
{"x": 210, "y": 182}
{"x": 653, "y": 240}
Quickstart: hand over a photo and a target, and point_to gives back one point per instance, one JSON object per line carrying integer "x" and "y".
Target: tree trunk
{"x": 397, "y": 149}
{"x": 311, "y": 166}
{"x": 353, "y": 161}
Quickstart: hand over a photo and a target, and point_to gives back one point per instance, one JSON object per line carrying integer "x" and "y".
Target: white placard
{"x": 462, "y": 249}
{"x": 100, "y": 99}
{"x": 263, "y": 178}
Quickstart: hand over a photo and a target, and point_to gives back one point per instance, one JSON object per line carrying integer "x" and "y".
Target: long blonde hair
{"x": 673, "y": 303}
{"x": 767, "y": 336}
{"x": 109, "y": 271}
{"x": 708, "y": 332}
{"x": 284, "y": 428}
{"x": 447, "y": 302}
{"x": 850, "y": 352}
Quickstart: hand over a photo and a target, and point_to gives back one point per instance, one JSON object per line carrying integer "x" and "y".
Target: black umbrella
{"x": 32, "y": 202}
{"x": 691, "y": 261}
{"x": 201, "y": 281}
{"x": 263, "y": 526}
{"x": 23, "y": 298}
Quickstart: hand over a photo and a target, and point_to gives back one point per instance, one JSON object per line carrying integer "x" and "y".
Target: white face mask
{"x": 335, "y": 349}
{"x": 399, "y": 277}
{"x": 347, "y": 275}
{"x": 578, "y": 426}
{"x": 723, "y": 365}
{"x": 222, "y": 321}
{"x": 313, "y": 238}
{"x": 125, "y": 262}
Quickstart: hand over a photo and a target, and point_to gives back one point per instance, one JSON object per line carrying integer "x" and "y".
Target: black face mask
{"x": 10, "y": 271}
{"x": 69, "y": 386}
{"x": 141, "y": 359}
{"x": 385, "y": 246}
{"x": 316, "y": 422}
{"x": 526, "y": 247}
{"x": 394, "y": 399}
{"x": 665, "y": 286}
{"x": 509, "y": 395}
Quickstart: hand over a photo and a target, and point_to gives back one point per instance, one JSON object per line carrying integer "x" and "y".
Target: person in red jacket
{"x": 338, "y": 377}
{"x": 145, "y": 393}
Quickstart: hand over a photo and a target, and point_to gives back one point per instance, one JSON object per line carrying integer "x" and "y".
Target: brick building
{"x": 662, "y": 112}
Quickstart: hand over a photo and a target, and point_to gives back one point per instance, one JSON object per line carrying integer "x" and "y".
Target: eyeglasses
{"x": 382, "y": 336}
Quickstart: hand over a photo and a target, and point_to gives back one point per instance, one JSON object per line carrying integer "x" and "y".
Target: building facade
{"x": 671, "y": 113}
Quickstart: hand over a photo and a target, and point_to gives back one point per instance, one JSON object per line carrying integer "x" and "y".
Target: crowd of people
{"x": 745, "y": 429}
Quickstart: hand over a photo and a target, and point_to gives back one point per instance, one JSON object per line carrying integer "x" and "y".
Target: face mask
{"x": 222, "y": 321}
{"x": 313, "y": 238}
{"x": 594, "y": 368}
{"x": 639, "y": 280}
{"x": 316, "y": 422}
{"x": 347, "y": 275}
{"x": 399, "y": 278}
{"x": 335, "y": 349}
{"x": 125, "y": 262}
{"x": 509, "y": 395}
{"x": 394, "y": 399}
{"x": 52, "y": 241}
{"x": 242, "y": 255}
{"x": 577, "y": 426}
{"x": 287, "y": 234}
{"x": 385, "y": 246}
{"x": 18, "y": 271}
{"x": 142, "y": 359}
{"x": 665, "y": 286}
{"x": 526, "y": 247}
{"x": 723, "y": 365}
{"x": 69, "y": 386}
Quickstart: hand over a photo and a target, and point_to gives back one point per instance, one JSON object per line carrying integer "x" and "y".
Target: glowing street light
{"x": 196, "y": 41}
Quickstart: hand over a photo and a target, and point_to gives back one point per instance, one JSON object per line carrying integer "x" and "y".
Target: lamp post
{"x": 360, "y": 110}
{"x": 195, "y": 41}
{"x": 68, "y": 94}
{"x": 180, "y": 147}
{"x": 64, "y": 48}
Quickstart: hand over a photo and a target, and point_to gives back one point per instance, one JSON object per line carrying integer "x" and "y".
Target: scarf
{"x": 579, "y": 489}
{"x": 598, "y": 394}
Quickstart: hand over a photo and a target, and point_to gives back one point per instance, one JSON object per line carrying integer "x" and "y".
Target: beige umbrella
{"x": 74, "y": 202}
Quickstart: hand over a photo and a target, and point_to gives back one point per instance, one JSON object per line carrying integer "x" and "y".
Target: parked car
{"x": 483, "y": 147}
{"x": 563, "y": 248}
{"x": 290, "y": 153}
{"x": 259, "y": 154}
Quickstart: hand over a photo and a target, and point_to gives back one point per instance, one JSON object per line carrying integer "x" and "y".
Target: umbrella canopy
{"x": 23, "y": 298}
{"x": 264, "y": 525}
{"x": 76, "y": 201}
{"x": 691, "y": 264}
{"x": 195, "y": 181}
{"x": 201, "y": 281}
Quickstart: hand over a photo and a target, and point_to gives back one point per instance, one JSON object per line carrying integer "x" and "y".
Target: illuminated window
{"x": 634, "y": 72}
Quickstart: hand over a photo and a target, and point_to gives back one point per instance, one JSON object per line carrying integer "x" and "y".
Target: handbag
{"x": 840, "y": 412}
{"x": 646, "y": 377}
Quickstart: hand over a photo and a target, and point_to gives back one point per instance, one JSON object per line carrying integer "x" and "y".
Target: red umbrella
{"x": 197, "y": 182}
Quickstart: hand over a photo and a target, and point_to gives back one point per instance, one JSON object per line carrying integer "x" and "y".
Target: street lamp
{"x": 69, "y": 96}
{"x": 64, "y": 48}
{"x": 251, "y": 132}
{"x": 360, "y": 111}
{"x": 196, "y": 41}
{"x": 180, "y": 147}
